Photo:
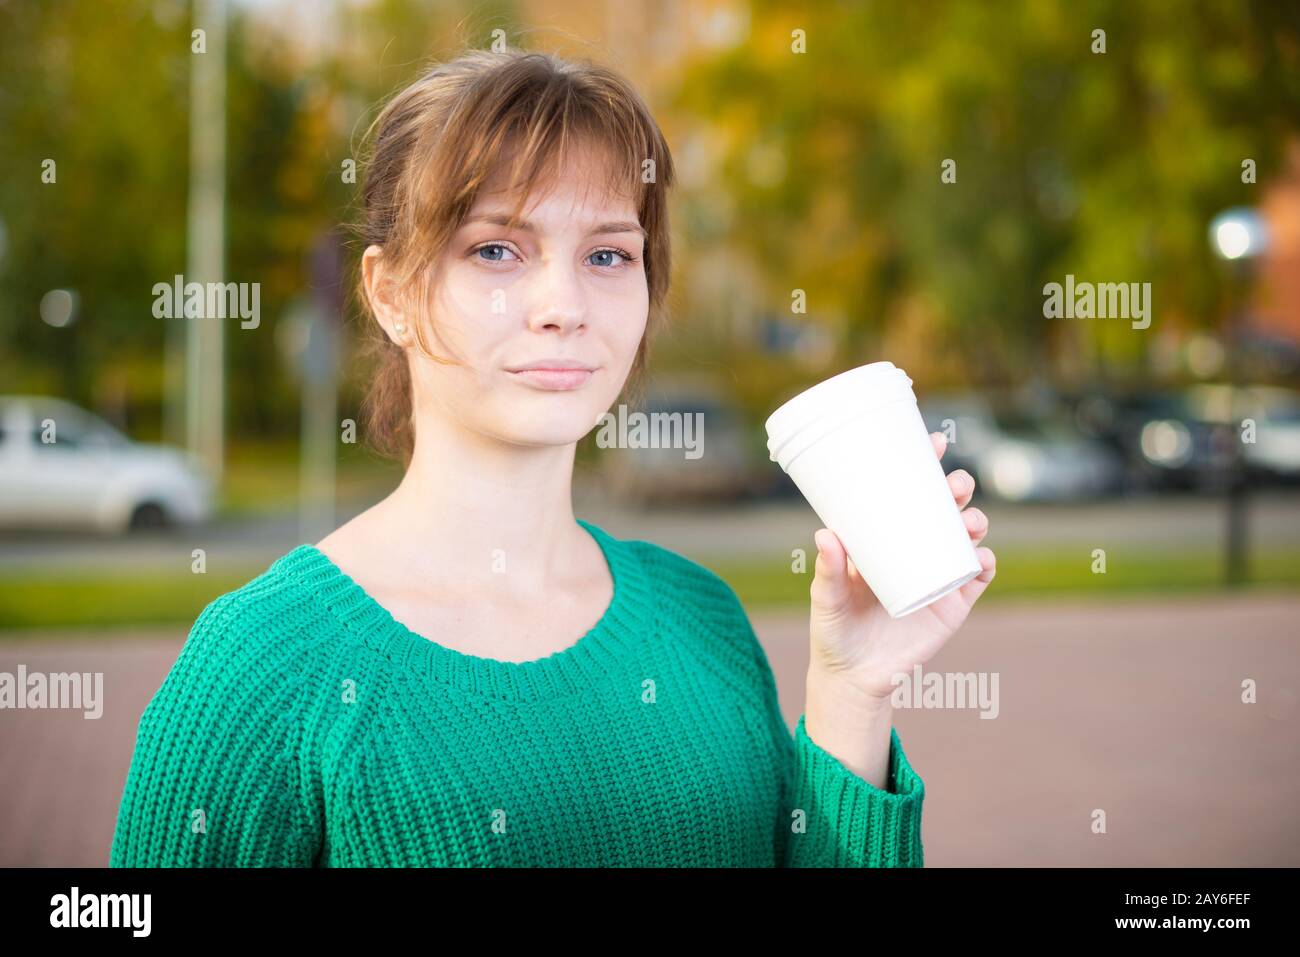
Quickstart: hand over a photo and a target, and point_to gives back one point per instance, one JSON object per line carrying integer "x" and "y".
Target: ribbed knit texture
{"x": 302, "y": 725}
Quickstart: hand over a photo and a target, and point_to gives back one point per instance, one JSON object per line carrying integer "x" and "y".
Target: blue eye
{"x": 626, "y": 257}
{"x": 493, "y": 246}
{"x": 495, "y": 253}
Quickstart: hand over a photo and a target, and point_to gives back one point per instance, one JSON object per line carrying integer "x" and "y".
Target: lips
{"x": 552, "y": 365}
{"x": 553, "y": 379}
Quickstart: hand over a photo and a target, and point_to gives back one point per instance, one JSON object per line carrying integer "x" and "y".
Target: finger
{"x": 830, "y": 548}
{"x": 977, "y": 524}
{"x": 962, "y": 484}
{"x": 836, "y": 553}
{"x": 940, "y": 443}
{"x": 988, "y": 569}
{"x": 830, "y": 585}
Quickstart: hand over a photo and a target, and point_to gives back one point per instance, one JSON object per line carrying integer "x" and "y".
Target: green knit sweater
{"x": 302, "y": 725}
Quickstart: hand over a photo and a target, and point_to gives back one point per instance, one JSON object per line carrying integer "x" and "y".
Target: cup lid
{"x": 850, "y": 391}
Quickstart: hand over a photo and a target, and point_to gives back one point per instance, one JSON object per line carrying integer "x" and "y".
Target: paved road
{"x": 1129, "y": 707}
{"x": 704, "y": 534}
{"x": 1133, "y": 708}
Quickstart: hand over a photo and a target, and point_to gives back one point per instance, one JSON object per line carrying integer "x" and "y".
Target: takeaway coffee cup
{"x": 858, "y": 449}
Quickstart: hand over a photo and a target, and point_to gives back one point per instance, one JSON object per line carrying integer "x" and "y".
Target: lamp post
{"x": 60, "y": 309}
{"x": 196, "y": 388}
{"x": 1237, "y": 235}
{"x": 319, "y": 365}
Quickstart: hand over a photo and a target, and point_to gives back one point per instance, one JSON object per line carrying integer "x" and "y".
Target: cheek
{"x": 627, "y": 308}
{"x": 471, "y": 311}
{"x": 457, "y": 298}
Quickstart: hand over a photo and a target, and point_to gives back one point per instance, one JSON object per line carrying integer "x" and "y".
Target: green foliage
{"x": 1049, "y": 572}
{"x": 40, "y": 600}
{"x": 827, "y": 175}
{"x": 103, "y": 89}
{"x": 77, "y": 90}
{"x": 1105, "y": 165}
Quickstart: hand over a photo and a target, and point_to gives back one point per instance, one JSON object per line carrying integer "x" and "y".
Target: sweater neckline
{"x": 570, "y": 671}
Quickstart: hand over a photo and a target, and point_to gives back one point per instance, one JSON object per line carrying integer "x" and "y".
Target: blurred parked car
{"x": 61, "y": 466}
{"x": 731, "y": 462}
{"x": 1017, "y": 456}
{"x": 1165, "y": 444}
{"x": 1187, "y": 439}
{"x": 1271, "y": 449}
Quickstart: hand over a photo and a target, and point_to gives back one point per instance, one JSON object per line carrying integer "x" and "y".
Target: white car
{"x": 1272, "y": 447}
{"x": 1020, "y": 457}
{"x": 61, "y": 466}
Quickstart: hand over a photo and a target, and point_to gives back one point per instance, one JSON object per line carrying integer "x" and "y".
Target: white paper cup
{"x": 858, "y": 449}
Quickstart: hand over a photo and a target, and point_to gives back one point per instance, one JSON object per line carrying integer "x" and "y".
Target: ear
{"x": 383, "y": 296}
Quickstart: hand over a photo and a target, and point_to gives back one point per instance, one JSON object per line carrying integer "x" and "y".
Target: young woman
{"x": 466, "y": 675}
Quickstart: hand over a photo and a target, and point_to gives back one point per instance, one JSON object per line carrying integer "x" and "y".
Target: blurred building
{"x": 1277, "y": 302}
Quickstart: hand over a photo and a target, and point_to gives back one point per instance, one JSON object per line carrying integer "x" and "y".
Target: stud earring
{"x": 400, "y": 327}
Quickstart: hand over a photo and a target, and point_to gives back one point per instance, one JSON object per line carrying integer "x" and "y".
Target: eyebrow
{"x": 619, "y": 226}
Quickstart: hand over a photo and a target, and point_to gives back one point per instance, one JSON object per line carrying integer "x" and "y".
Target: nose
{"x": 559, "y": 302}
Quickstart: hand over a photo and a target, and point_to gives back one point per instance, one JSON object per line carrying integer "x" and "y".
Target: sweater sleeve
{"x": 215, "y": 778}
{"x": 831, "y": 817}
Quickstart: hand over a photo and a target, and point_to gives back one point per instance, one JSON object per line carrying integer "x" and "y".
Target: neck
{"x": 481, "y": 511}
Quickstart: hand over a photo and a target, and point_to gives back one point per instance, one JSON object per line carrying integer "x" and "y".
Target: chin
{"x": 551, "y": 429}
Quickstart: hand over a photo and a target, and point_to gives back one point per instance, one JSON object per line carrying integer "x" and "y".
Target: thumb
{"x": 831, "y": 586}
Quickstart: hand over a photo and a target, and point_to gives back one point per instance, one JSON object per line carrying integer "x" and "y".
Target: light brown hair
{"x": 435, "y": 143}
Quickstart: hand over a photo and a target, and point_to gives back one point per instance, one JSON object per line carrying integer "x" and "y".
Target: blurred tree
{"x": 102, "y": 90}
{"x": 1107, "y": 166}
{"x": 827, "y": 175}
{"x": 80, "y": 101}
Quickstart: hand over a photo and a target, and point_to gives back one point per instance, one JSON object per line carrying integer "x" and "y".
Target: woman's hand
{"x": 856, "y": 646}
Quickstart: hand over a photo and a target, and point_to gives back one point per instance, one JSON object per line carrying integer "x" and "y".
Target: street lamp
{"x": 1239, "y": 236}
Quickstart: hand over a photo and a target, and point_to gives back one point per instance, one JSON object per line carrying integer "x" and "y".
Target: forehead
{"x": 585, "y": 184}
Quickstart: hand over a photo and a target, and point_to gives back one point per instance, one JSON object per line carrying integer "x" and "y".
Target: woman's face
{"x": 565, "y": 294}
